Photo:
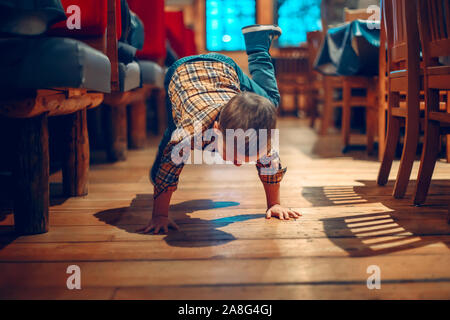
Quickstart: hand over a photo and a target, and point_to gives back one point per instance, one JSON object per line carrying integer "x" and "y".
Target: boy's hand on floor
{"x": 282, "y": 213}
{"x": 159, "y": 223}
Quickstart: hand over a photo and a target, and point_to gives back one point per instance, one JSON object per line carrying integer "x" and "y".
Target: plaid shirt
{"x": 198, "y": 91}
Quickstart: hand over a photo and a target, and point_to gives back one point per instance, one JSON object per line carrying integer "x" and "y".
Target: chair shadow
{"x": 391, "y": 225}
{"x": 195, "y": 232}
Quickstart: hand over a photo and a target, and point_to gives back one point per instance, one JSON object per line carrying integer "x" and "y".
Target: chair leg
{"x": 313, "y": 108}
{"x": 371, "y": 117}
{"x": 428, "y": 160}
{"x": 117, "y": 136}
{"x": 137, "y": 124}
{"x": 346, "y": 114}
{"x": 393, "y": 133}
{"x": 370, "y": 125}
{"x": 430, "y": 150}
{"x": 76, "y": 154}
{"x": 327, "y": 108}
{"x": 407, "y": 160}
{"x": 411, "y": 140}
{"x": 31, "y": 176}
{"x": 381, "y": 130}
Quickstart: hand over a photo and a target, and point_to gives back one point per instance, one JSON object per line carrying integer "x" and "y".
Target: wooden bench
{"x": 29, "y": 110}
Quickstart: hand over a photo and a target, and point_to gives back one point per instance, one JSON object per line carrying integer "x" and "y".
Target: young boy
{"x": 212, "y": 90}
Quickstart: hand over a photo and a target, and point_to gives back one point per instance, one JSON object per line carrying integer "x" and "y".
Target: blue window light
{"x": 224, "y": 20}
{"x": 296, "y": 18}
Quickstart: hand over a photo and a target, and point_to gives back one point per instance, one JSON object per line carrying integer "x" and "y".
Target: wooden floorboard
{"x": 226, "y": 249}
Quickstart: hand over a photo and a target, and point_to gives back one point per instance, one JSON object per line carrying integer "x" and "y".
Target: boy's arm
{"x": 165, "y": 184}
{"x": 274, "y": 208}
{"x": 271, "y": 173}
{"x": 160, "y": 216}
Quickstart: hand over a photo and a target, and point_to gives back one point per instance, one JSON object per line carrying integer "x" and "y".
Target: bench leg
{"x": 158, "y": 102}
{"x": 116, "y": 131}
{"x": 137, "y": 124}
{"x": 31, "y": 176}
{"x": 76, "y": 154}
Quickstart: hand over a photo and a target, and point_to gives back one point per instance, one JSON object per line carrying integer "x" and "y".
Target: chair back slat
{"x": 401, "y": 27}
{"x": 447, "y": 15}
{"x": 356, "y": 14}
{"x": 434, "y": 22}
{"x": 314, "y": 40}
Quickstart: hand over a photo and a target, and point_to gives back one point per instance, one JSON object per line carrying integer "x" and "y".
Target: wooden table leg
{"x": 137, "y": 118}
{"x": 76, "y": 154}
{"x": 31, "y": 175}
{"x": 117, "y": 133}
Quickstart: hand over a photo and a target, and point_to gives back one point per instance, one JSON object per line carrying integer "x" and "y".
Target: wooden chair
{"x": 347, "y": 84}
{"x": 435, "y": 37}
{"x": 403, "y": 77}
{"x": 292, "y": 72}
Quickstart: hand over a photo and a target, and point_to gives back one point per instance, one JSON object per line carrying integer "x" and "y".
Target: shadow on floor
{"x": 195, "y": 232}
{"x": 7, "y": 234}
{"x": 385, "y": 225}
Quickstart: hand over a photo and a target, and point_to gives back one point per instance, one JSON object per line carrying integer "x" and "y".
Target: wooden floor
{"x": 226, "y": 248}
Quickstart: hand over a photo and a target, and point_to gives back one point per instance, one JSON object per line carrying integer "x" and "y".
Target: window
{"x": 224, "y": 20}
{"x": 296, "y": 18}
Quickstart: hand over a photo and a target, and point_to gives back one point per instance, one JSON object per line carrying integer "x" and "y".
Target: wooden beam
{"x": 116, "y": 132}
{"x": 53, "y": 102}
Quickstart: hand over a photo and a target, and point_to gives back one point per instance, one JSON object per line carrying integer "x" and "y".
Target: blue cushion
{"x": 129, "y": 76}
{"x": 152, "y": 73}
{"x": 40, "y": 63}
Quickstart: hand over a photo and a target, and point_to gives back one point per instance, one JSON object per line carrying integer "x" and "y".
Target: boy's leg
{"x": 258, "y": 39}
